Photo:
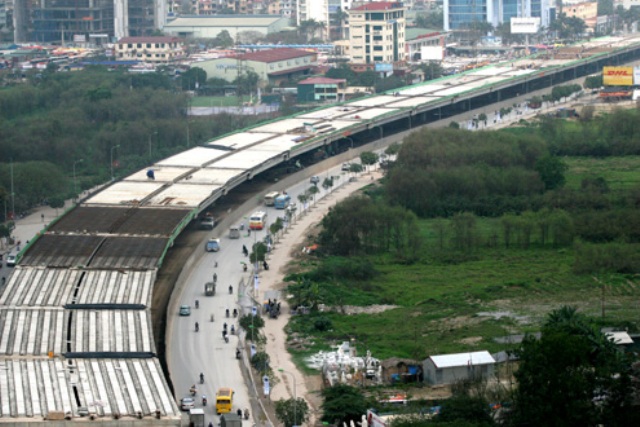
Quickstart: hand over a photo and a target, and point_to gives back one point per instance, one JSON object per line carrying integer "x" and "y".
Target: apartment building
{"x": 150, "y": 49}
{"x": 377, "y": 33}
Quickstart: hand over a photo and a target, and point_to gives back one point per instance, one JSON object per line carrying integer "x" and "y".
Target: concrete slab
{"x": 125, "y": 193}
{"x": 240, "y": 140}
{"x": 196, "y": 157}
{"x": 161, "y": 173}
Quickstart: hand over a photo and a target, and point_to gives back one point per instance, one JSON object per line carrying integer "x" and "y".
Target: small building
{"x": 149, "y": 49}
{"x": 398, "y": 370}
{"x": 425, "y": 45}
{"x": 449, "y": 368}
{"x": 321, "y": 89}
{"x": 272, "y": 66}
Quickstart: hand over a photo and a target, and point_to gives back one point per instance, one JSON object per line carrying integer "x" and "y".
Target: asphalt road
{"x": 190, "y": 352}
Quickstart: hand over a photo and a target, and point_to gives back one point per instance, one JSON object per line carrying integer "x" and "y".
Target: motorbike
{"x": 244, "y": 267}
{"x": 230, "y": 289}
{"x": 227, "y": 312}
{"x": 235, "y": 312}
{"x": 197, "y": 327}
{"x": 197, "y": 304}
{"x": 204, "y": 400}
{"x": 238, "y": 354}
{"x": 193, "y": 390}
{"x": 233, "y": 330}
{"x": 246, "y": 413}
{"x": 226, "y": 339}
{"x": 201, "y": 378}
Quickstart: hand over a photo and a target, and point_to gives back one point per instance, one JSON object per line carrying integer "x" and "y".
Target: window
{"x": 148, "y": 45}
{"x": 377, "y": 48}
{"x": 129, "y": 45}
{"x": 377, "y": 38}
{"x": 139, "y": 46}
{"x": 288, "y": 62}
{"x": 271, "y": 66}
{"x": 377, "y": 28}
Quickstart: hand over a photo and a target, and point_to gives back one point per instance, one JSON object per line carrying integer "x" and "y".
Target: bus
{"x": 282, "y": 201}
{"x": 270, "y": 198}
{"x": 257, "y": 220}
{"x": 224, "y": 400}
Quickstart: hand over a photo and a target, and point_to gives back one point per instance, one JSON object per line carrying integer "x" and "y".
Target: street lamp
{"x": 75, "y": 183}
{"x": 113, "y": 148}
{"x": 295, "y": 396}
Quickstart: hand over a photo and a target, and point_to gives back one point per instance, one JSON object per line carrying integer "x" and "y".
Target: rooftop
{"x": 224, "y": 21}
{"x": 462, "y": 359}
{"x": 321, "y": 81}
{"x": 379, "y": 5}
{"x": 150, "y": 40}
{"x": 274, "y": 55}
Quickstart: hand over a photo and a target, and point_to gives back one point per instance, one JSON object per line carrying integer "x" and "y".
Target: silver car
{"x": 187, "y": 403}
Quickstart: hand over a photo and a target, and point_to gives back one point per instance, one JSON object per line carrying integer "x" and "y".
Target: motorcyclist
{"x": 233, "y": 330}
{"x": 215, "y": 277}
{"x": 238, "y": 353}
{"x": 201, "y": 378}
{"x": 246, "y": 413}
{"x": 197, "y": 304}
{"x": 193, "y": 390}
{"x": 224, "y": 326}
{"x": 197, "y": 327}
{"x": 235, "y": 312}
{"x": 227, "y": 312}
{"x": 244, "y": 267}
{"x": 230, "y": 289}
{"x": 245, "y": 251}
{"x": 204, "y": 400}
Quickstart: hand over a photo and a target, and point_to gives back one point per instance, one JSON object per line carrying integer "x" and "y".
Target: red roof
{"x": 321, "y": 81}
{"x": 379, "y": 5}
{"x": 133, "y": 40}
{"x": 274, "y": 55}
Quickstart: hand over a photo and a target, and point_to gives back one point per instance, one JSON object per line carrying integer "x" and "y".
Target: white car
{"x": 11, "y": 260}
{"x": 187, "y": 403}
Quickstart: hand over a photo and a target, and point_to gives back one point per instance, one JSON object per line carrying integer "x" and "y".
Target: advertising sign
{"x": 617, "y": 76}
{"x": 525, "y": 25}
{"x": 382, "y": 67}
{"x": 431, "y": 53}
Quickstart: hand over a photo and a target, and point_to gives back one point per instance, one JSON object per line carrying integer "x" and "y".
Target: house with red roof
{"x": 272, "y": 65}
{"x": 377, "y": 33}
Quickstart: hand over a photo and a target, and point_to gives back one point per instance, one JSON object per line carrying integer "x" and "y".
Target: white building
{"x": 318, "y": 10}
{"x": 149, "y": 49}
{"x": 377, "y": 33}
{"x": 449, "y": 368}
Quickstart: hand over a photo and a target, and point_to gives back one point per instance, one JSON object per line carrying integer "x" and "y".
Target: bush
{"x": 322, "y": 324}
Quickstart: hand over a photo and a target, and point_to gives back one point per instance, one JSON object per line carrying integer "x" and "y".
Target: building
{"x": 459, "y": 14}
{"x": 585, "y": 10}
{"x": 208, "y": 27}
{"x": 272, "y": 66}
{"x": 149, "y": 49}
{"x": 377, "y": 33}
{"x": 321, "y": 89}
{"x": 78, "y": 20}
{"x": 449, "y": 368}
{"x": 425, "y": 45}
{"x": 317, "y": 10}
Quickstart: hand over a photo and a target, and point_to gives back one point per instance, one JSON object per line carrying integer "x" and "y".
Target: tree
{"x": 223, "y": 39}
{"x": 343, "y": 72}
{"x": 431, "y": 20}
{"x": 355, "y": 168}
{"x": 343, "y": 404}
{"x": 303, "y": 199}
{"x": 368, "y": 158}
{"x": 193, "y": 78}
{"x": 247, "y": 82}
{"x": 312, "y": 191}
{"x": 431, "y": 70}
{"x": 392, "y": 149}
{"x": 572, "y": 375}
{"x": 551, "y": 170}
{"x": 327, "y": 183}
{"x": 292, "y": 412}
{"x": 56, "y": 202}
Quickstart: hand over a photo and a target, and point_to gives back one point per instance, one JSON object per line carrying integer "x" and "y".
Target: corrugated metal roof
{"x": 52, "y": 287}
{"x": 274, "y": 55}
{"x": 34, "y": 388}
{"x": 225, "y": 21}
{"x": 619, "y": 338}
{"x": 150, "y": 39}
{"x": 462, "y": 359}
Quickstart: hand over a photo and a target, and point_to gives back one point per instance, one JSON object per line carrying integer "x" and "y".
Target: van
{"x": 270, "y": 198}
{"x": 234, "y": 232}
{"x": 206, "y": 223}
{"x": 224, "y": 400}
{"x": 257, "y": 220}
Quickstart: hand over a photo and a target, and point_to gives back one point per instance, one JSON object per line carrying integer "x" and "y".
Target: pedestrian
{"x": 42, "y": 216}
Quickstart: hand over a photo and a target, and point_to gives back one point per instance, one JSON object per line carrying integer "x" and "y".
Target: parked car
{"x": 11, "y": 260}
{"x": 213, "y": 245}
{"x": 345, "y": 167}
{"x": 187, "y": 403}
{"x": 314, "y": 180}
{"x": 185, "y": 310}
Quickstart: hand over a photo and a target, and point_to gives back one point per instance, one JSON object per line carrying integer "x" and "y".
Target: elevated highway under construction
{"x": 76, "y": 341}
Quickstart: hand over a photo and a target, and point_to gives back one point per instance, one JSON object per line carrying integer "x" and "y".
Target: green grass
{"x": 218, "y": 101}
{"x": 621, "y": 173}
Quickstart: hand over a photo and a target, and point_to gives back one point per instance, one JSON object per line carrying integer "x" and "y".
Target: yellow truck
{"x": 224, "y": 400}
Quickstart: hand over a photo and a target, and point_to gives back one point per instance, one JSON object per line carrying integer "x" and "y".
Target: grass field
{"x": 453, "y": 302}
{"x": 218, "y": 101}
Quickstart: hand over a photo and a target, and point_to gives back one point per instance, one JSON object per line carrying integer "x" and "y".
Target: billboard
{"x": 617, "y": 76}
{"x": 525, "y": 25}
{"x": 382, "y": 67}
{"x": 431, "y": 53}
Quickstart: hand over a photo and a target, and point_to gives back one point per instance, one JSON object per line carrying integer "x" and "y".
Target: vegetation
{"x": 343, "y": 404}
{"x": 500, "y": 222}
{"x": 292, "y": 412}
{"x": 53, "y": 120}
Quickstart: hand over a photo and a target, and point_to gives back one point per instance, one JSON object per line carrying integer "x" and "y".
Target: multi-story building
{"x": 459, "y": 14}
{"x": 585, "y": 10}
{"x": 149, "y": 49}
{"x": 289, "y": 9}
{"x": 317, "y": 10}
{"x": 377, "y": 33}
{"x": 64, "y": 20}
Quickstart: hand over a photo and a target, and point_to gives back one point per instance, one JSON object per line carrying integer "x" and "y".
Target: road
{"x": 191, "y": 352}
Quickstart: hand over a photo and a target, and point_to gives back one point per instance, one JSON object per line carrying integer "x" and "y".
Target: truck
{"x": 196, "y": 417}
{"x": 230, "y": 420}
{"x": 282, "y": 201}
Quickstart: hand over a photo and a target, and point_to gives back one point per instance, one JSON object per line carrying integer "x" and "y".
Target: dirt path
{"x": 305, "y": 386}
